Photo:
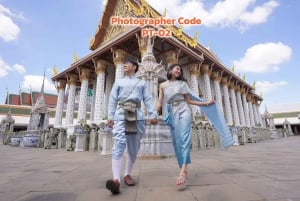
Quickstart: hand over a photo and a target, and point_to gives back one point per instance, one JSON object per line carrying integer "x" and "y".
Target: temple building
{"x": 286, "y": 117}
{"x": 112, "y": 44}
{"x": 20, "y": 106}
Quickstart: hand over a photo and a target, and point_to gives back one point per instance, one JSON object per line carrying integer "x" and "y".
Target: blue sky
{"x": 260, "y": 38}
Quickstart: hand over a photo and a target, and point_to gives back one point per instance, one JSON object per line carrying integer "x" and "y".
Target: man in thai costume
{"x": 126, "y": 118}
{"x": 174, "y": 97}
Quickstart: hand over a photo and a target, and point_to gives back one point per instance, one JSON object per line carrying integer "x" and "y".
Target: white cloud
{"x": 259, "y": 14}
{"x": 4, "y": 68}
{"x": 35, "y": 82}
{"x": 104, "y": 2}
{"x": 9, "y": 30}
{"x": 241, "y": 14}
{"x": 19, "y": 68}
{"x": 263, "y": 58}
{"x": 266, "y": 86}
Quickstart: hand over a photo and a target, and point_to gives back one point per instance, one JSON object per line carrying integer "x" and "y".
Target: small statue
{"x": 71, "y": 142}
{"x": 52, "y": 138}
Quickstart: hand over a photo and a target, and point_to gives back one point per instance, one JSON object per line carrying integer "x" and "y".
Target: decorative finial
{"x": 233, "y": 68}
{"x": 54, "y": 70}
{"x": 208, "y": 46}
{"x": 244, "y": 77}
{"x": 7, "y": 95}
{"x": 75, "y": 57}
{"x": 42, "y": 88}
{"x": 164, "y": 13}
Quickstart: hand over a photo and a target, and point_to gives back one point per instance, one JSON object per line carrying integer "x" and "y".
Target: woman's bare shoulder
{"x": 163, "y": 84}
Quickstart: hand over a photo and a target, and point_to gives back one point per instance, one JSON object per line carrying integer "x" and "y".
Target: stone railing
{"x": 204, "y": 136}
{"x": 157, "y": 141}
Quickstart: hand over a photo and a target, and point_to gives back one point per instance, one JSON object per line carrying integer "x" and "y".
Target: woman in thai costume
{"x": 174, "y": 98}
{"x": 175, "y": 92}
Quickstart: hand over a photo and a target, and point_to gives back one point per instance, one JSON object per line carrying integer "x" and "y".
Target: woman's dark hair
{"x": 169, "y": 74}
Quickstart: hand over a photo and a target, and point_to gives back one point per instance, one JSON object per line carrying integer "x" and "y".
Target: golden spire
{"x": 75, "y": 57}
{"x": 54, "y": 70}
{"x": 164, "y": 13}
{"x": 7, "y": 95}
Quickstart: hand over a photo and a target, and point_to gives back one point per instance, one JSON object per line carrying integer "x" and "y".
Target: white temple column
{"x": 71, "y": 98}
{"x": 236, "y": 119}
{"x": 259, "y": 116}
{"x": 60, "y": 86}
{"x": 251, "y": 113}
{"x": 100, "y": 68}
{"x": 256, "y": 114}
{"x": 217, "y": 78}
{"x": 108, "y": 86}
{"x": 246, "y": 110}
{"x": 84, "y": 78}
{"x": 228, "y": 111}
{"x": 119, "y": 57}
{"x": 240, "y": 107}
{"x": 194, "y": 70}
{"x": 206, "y": 76}
{"x": 155, "y": 89}
{"x": 93, "y": 101}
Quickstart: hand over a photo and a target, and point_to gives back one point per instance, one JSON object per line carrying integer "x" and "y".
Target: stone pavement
{"x": 266, "y": 171}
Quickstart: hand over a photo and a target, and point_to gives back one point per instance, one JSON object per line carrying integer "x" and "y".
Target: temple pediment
{"x": 105, "y": 31}
{"x": 133, "y": 8}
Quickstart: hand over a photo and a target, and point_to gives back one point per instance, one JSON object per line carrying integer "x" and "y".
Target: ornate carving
{"x": 232, "y": 85}
{"x": 206, "y": 69}
{"x": 118, "y": 56}
{"x": 224, "y": 80}
{"x": 171, "y": 57}
{"x": 250, "y": 98}
{"x": 243, "y": 90}
{"x": 100, "y": 66}
{"x": 120, "y": 10}
{"x": 145, "y": 10}
{"x": 194, "y": 69}
{"x": 60, "y": 84}
{"x": 142, "y": 41}
{"x": 71, "y": 79}
{"x": 84, "y": 73}
{"x": 216, "y": 76}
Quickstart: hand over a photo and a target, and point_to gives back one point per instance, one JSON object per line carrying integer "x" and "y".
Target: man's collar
{"x": 130, "y": 76}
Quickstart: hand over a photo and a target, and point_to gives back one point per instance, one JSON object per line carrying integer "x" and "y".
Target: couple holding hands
{"x": 126, "y": 118}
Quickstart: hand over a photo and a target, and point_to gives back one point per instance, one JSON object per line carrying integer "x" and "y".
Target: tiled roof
{"x": 25, "y": 99}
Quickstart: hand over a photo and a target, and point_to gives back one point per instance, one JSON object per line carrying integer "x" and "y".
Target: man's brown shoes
{"x": 113, "y": 186}
{"x": 129, "y": 181}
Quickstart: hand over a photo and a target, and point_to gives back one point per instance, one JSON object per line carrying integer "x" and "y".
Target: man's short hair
{"x": 135, "y": 63}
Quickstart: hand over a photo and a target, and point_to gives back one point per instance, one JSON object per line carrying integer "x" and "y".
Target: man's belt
{"x": 130, "y": 103}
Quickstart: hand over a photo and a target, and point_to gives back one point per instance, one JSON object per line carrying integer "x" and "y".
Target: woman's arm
{"x": 160, "y": 98}
{"x": 193, "y": 102}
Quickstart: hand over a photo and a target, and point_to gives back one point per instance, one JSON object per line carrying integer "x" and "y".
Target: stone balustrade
{"x": 98, "y": 138}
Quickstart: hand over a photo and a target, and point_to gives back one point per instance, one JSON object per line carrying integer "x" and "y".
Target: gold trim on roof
{"x": 145, "y": 10}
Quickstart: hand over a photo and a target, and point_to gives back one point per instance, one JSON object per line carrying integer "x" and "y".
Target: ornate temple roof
{"x": 108, "y": 37}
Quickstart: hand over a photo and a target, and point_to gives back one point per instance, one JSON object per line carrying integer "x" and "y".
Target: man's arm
{"x": 112, "y": 103}
{"x": 147, "y": 99}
